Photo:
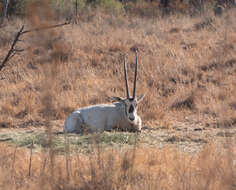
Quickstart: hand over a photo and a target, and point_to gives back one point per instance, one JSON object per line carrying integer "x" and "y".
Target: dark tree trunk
{"x": 4, "y": 9}
{"x": 165, "y": 7}
{"x": 165, "y": 3}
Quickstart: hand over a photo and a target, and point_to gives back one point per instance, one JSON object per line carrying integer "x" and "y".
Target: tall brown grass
{"x": 187, "y": 67}
{"x": 142, "y": 168}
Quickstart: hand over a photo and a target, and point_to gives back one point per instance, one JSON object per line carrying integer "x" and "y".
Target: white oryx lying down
{"x": 121, "y": 115}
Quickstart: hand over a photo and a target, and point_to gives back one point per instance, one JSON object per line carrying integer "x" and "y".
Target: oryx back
{"x": 95, "y": 118}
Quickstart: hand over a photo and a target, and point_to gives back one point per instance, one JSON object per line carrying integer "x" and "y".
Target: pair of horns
{"x": 135, "y": 76}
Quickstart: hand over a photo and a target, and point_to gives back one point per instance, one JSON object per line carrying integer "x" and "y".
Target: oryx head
{"x": 130, "y": 103}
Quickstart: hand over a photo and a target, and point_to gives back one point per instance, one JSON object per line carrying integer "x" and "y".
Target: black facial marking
{"x": 126, "y": 110}
{"x": 131, "y": 118}
{"x": 131, "y": 109}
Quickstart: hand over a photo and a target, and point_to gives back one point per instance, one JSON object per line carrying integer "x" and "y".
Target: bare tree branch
{"x": 45, "y": 28}
{"x": 13, "y": 51}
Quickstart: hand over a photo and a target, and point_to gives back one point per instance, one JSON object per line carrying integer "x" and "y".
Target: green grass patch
{"x": 73, "y": 142}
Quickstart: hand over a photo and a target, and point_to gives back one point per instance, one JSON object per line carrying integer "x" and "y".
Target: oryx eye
{"x": 131, "y": 109}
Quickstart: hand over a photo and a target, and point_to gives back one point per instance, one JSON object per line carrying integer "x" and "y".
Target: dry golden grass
{"x": 181, "y": 59}
{"x": 141, "y": 168}
{"x": 187, "y": 71}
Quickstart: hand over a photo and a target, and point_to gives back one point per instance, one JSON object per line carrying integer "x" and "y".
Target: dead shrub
{"x": 184, "y": 103}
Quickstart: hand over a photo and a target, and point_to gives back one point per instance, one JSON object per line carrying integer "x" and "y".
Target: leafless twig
{"x": 13, "y": 51}
{"x": 45, "y": 28}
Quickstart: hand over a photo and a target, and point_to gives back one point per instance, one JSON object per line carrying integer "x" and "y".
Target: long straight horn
{"x": 135, "y": 74}
{"x": 126, "y": 79}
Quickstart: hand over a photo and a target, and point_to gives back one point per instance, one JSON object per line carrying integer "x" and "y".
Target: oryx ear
{"x": 117, "y": 99}
{"x": 140, "y": 98}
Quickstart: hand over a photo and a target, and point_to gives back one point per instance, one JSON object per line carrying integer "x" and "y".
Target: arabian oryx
{"x": 122, "y": 114}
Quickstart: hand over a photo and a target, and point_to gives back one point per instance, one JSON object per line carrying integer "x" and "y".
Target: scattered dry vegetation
{"x": 187, "y": 71}
{"x": 135, "y": 168}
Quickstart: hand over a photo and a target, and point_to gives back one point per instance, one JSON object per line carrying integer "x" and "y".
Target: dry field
{"x": 187, "y": 71}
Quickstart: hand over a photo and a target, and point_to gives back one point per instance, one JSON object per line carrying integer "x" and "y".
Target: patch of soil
{"x": 184, "y": 136}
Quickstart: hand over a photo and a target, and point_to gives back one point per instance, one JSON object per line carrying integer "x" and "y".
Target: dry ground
{"x": 187, "y": 71}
